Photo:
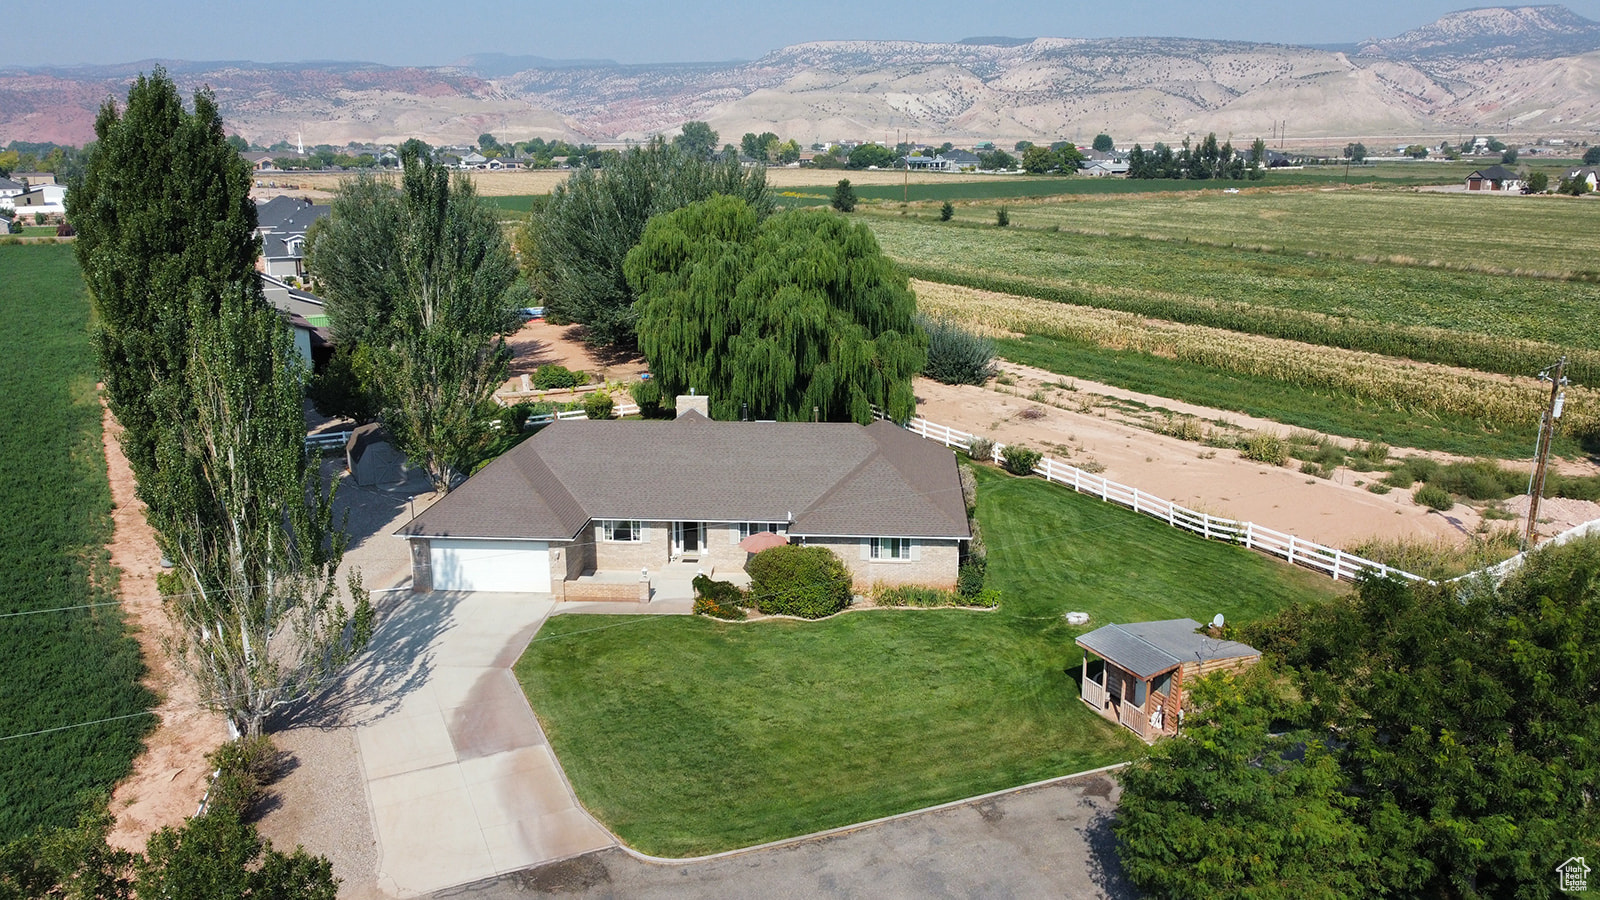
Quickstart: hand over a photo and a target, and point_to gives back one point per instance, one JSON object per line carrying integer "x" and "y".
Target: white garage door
{"x": 517, "y": 566}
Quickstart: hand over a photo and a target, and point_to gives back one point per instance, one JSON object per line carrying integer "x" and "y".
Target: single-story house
{"x": 1101, "y": 168}
{"x": 1138, "y": 676}
{"x": 260, "y": 162}
{"x": 35, "y": 179}
{"x": 676, "y": 497}
{"x": 957, "y": 160}
{"x": 1494, "y": 178}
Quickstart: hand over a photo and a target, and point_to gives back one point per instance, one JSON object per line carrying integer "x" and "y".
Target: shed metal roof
{"x": 1150, "y": 648}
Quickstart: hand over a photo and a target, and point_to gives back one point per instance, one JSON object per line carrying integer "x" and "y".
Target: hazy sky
{"x": 414, "y": 32}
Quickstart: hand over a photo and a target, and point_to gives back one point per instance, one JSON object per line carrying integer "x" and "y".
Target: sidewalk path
{"x": 461, "y": 782}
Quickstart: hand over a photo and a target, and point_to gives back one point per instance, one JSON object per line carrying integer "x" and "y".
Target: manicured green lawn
{"x": 691, "y": 736}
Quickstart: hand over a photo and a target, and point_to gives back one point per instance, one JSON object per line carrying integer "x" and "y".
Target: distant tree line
{"x": 1202, "y": 162}
{"x": 63, "y": 160}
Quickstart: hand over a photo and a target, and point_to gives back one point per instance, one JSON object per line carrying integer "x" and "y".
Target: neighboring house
{"x": 620, "y": 497}
{"x": 1103, "y": 167}
{"x": 934, "y": 163}
{"x": 474, "y": 160}
{"x": 260, "y": 162}
{"x": 9, "y": 191}
{"x": 1139, "y": 677}
{"x": 49, "y": 199}
{"x": 960, "y": 159}
{"x": 1494, "y": 178}
{"x": 307, "y": 314}
{"x": 281, "y": 224}
{"x": 1588, "y": 174}
{"x": 34, "y": 179}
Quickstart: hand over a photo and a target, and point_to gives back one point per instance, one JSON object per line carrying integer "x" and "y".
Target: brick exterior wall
{"x": 620, "y": 556}
{"x": 936, "y": 565}
{"x": 721, "y": 552}
{"x": 594, "y": 590}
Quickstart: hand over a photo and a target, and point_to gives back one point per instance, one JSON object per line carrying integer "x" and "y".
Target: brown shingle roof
{"x": 836, "y": 479}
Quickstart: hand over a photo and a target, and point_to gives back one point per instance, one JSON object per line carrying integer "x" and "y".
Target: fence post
{"x": 1249, "y": 535}
{"x": 1338, "y": 562}
{"x": 1291, "y": 549}
{"x": 1170, "y": 516}
{"x": 1205, "y": 525}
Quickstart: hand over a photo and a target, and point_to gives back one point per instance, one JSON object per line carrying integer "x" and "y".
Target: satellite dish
{"x": 1216, "y": 621}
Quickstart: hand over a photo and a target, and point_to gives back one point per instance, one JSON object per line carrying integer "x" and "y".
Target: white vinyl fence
{"x": 1298, "y": 551}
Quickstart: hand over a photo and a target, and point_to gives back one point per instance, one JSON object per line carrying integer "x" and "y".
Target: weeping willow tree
{"x": 796, "y": 315}
{"x": 259, "y": 615}
{"x": 574, "y": 245}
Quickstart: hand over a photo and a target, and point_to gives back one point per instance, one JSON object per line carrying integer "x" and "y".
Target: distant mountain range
{"x": 1529, "y": 71}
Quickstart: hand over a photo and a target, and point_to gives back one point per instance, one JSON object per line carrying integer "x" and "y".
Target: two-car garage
{"x": 508, "y": 566}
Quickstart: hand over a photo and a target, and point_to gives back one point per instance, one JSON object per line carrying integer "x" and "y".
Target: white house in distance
{"x": 9, "y": 191}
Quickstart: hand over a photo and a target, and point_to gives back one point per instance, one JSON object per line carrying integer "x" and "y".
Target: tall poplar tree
{"x": 422, "y": 276}
{"x": 260, "y": 609}
{"x": 201, "y": 372}
{"x": 798, "y": 314}
{"x": 163, "y": 216}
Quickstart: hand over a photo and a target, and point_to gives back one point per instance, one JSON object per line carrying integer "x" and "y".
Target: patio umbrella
{"x": 762, "y": 540}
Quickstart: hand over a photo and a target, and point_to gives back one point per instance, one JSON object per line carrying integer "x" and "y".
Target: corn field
{"x": 1495, "y": 401}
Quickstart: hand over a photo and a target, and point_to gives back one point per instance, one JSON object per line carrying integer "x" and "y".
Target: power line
{"x": 12, "y": 737}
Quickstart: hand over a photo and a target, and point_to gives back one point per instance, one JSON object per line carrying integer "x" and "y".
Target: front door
{"x": 687, "y": 539}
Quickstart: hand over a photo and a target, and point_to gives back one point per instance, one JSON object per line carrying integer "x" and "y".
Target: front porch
{"x": 1118, "y": 695}
{"x": 673, "y": 582}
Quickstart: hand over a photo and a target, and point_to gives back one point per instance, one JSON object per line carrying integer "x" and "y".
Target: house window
{"x": 620, "y": 530}
{"x": 891, "y": 548}
{"x": 748, "y": 528}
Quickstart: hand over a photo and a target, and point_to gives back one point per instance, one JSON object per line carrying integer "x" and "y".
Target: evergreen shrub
{"x": 791, "y": 580}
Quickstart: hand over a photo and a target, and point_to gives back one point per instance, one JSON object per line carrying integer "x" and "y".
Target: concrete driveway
{"x": 1050, "y": 841}
{"x": 461, "y": 782}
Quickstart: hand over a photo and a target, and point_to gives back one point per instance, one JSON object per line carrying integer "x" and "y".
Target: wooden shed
{"x": 1134, "y": 674}
{"x": 372, "y": 459}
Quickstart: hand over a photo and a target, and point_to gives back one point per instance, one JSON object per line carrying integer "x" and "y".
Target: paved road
{"x": 1051, "y": 841}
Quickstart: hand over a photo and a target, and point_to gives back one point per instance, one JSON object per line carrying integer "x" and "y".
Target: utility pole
{"x": 1541, "y": 455}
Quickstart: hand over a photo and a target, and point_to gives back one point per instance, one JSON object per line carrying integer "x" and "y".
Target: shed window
{"x": 891, "y": 548}
{"x": 620, "y": 530}
{"x": 1138, "y": 693}
{"x": 1162, "y": 684}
